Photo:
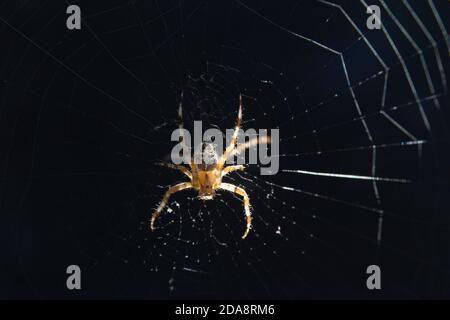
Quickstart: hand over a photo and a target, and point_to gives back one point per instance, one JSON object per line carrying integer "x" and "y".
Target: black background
{"x": 85, "y": 114}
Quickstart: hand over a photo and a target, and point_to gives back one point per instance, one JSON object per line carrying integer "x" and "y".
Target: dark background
{"x": 85, "y": 114}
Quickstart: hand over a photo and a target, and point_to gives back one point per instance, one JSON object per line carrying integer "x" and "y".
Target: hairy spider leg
{"x": 253, "y": 142}
{"x": 229, "y": 169}
{"x": 169, "y": 192}
{"x": 232, "y": 144}
{"x": 186, "y": 158}
{"x": 235, "y": 189}
{"x": 176, "y": 167}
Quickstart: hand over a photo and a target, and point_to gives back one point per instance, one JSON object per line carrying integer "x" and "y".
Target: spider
{"x": 206, "y": 177}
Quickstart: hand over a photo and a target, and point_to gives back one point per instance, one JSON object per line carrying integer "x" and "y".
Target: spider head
{"x": 206, "y": 197}
{"x": 208, "y": 183}
{"x": 208, "y": 178}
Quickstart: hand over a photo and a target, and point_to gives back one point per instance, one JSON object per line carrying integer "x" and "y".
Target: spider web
{"x": 363, "y": 121}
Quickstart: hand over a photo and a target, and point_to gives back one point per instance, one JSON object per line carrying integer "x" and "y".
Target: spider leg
{"x": 176, "y": 167}
{"x": 249, "y": 144}
{"x": 235, "y": 189}
{"x": 169, "y": 192}
{"x": 232, "y": 144}
{"x": 187, "y": 159}
{"x": 229, "y": 169}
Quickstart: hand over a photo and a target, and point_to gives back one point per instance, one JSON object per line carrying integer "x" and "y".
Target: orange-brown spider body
{"x": 206, "y": 182}
{"x": 206, "y": 177}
